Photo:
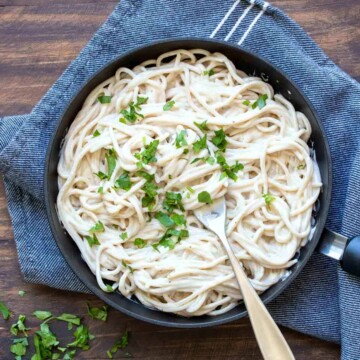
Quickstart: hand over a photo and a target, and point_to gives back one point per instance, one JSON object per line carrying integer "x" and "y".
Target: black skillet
{"x": 251, "y": 64}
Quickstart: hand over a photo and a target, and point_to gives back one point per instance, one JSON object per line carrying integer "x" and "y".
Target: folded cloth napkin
{"x": 323, "y": 300}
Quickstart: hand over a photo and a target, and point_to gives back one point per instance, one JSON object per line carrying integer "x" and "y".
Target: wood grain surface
{"x": 38, "y": 39}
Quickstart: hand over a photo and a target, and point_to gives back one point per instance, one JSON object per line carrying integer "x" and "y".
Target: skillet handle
{"x": 350, "y": 260}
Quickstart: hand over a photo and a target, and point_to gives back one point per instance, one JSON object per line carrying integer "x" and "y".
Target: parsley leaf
{"x": 92, "y": 240}
{"x": 268, "y": 199}
{"x": 111, "y": 162}
{"x": 200, "y": 144}
{"x": 178, "y": 219}
{"x": 202, "y": 126}
{"x": 123, "y": 182}
{"x": 228, "y": 170}
{"x": 246, "y": 102}
{"x": 219, "y": 139}
{"x": 260, "y": 102}
{"x": 109, "y": 288}
{"x": 100, "y": 190}
{"x": 19, "y": 346}
{"x": 167, "y": 240}
{"x": 5, "y": 312}
{"x": 101, "y": 175}
{"x": 150, "y": 190}
{"x": 172, "y": 201}
{"x": 104, "y": 99}
{"x": 140, "y": 243}
{"x": 69, "y": 318}
{"x": 42, "y": 315}
{"x": 132, "y": 115}
{"x": 147, "y": 156}
{"x": 98, "y": 313}
{"x": 164, "y": 219}
{"x": 204, "y": 197}
{"x": 82, "y": 338}
{"x": 21, "y": 293}
{"x": 96, "y": 133}
{"x": 180, "y": 139}
{"x": 127, "y": 266}
{"x": 19, "y": 326}
{"x": 98, "y": 227}
{"x": 145, "y": 175}
{"x": 124, "y": 236}
{"x": 169, "y": 105}
{"x": 190, "y": 189}
{"x": 209, "y": 72}
{"x": 301, "y": 166}
{"x": 121, "y": 344}
{"x": 44, "y": 341}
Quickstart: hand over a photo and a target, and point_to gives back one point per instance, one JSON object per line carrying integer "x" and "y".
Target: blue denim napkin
{"x": 323, "y": 301}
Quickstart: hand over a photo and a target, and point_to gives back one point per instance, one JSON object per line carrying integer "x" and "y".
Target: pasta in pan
{"x": 154, "y": 143}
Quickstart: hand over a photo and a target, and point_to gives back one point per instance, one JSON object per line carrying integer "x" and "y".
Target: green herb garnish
{"x": 246, "y": 102}
{"x": 96, "y": 133}
{"x": 92, "y": 240}
{"x": 180, "y": 139}
{"x": 301, "y": 167}
{"x": 140, "y": 243}
{"x": 98, "y": 227}
{"x": 98, "y": 313}
{"x": 178, "y": 219}
{"x": 127, "y": 266}
{"x": 209, "y": 72}
{"x": 132, "y": 115}
{"x": 121, "y": 344}
{"x": 169, "y": 105}
{"x": 82, "y": 338}
{"x": 202, "y": 126}
{"x": 69, "y": 318}
{"x": 147, "y": 156}
{"x": 124, "y": 236}
{"x": 228, "y": 170}
{"x": 200, "y": 144}
{"x": 150, "y": 190}
{"x": 100, "y": 190}
{"x": 104, "y": 99}
{"x": 164, "y": 219}
{"x": 268, "y": 199}
{"x": 42, "y": 315}
{"x": 204, "y": 197}
{"x": 109, "y": 288}
{"x": 260, "y": 102}
{"x": 172, "y": 201}
{"x": 111, "y": 161}
{"x": 123, "y": 182}
{"x": 19, "y": 326}
{"x": 19, "y": 347}
{"x": 21, "y": 293}
{"x": 219, "y": 139}
{"x": 190, "y": 189}
{"x": 5, "y": 312}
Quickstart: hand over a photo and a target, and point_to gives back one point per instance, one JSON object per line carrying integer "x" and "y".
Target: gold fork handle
{"x": 271, "y": 341}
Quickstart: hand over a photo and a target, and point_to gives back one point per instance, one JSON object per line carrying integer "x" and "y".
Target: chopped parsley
{"x": 219, "y": 140}
{"x": 140, "y": 243}
{"x": 202, "y": 126}
{"x": 69, "y": 318}
{"x": 127, "y": 266}
{"x": 268, "y": 199}
{"x": 98, "y": 313}
{"x": 147, "y": 156}
{"x": 42, "y": 315}
{"x": 96, "y": 133}
{"x": 92, "y": 240}
{"x": 173, "y": 201}
{"x": 5, "y": 312}
{"x": 168, "y": 241}
{"x": 150, "y": 190}
{"x": 204, "y": 197}
{"x": 145, "y": 175}
{"x": 109, "y": 288}
{"x": 178, "y": 219}
{"x": 82, "y": 338}
{"x": 124, "y": 236}
{"x": 260, "y": 102}
{"x": 98, "y": 227}
{"x": 180, "y": 139}
{"x": 123, "y": 182}
{"x": 121, "y": 344}
{"x": 101, "y": 175}
{"x": 200, "y": 144}
{"x": 132, "y": 115}
{"x": 227, "y": 170}
{"x": 104, "y": 99}
{"x": 301, "y": 167}
{"x": 19, "y": 347}
{"x": 246, "y": 102}
{"x": 164, "y": 219}
{"x": 111, "y": 163}
{"x": 169, "y": 105}
{"x": 21, "y": 293}
{"x": 190, "y": 189}
{"x": 186, "y": 151}
{"x": 100, "y": 190}
{"x": 19, "y": 326}
{"x": 209, "y": 72}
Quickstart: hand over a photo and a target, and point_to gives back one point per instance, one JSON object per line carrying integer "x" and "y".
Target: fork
{"x": 271, "y": 342}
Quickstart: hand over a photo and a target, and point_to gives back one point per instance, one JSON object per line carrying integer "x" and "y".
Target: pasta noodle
{"x": 149, "y": 144}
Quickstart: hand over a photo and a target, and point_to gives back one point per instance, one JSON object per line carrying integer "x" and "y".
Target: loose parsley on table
{"x": 5, "y": 312}
{"x": 98, "y": 313}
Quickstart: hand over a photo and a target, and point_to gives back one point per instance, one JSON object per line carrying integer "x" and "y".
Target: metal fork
{"x": 272, "y": 343}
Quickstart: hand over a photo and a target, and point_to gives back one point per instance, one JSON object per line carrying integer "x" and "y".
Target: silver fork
{"x": 272, "y": 343}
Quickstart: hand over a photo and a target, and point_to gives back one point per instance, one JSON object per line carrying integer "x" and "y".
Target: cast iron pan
{"x": 251, "y": 64}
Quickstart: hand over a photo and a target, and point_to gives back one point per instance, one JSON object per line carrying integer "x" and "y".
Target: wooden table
{"x": 38, "y": 39}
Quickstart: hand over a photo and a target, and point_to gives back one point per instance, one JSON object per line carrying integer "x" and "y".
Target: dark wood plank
{"x": 39, "y": 39}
